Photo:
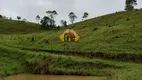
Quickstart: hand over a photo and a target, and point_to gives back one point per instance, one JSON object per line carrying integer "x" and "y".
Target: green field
{"x": 116, "y": 37}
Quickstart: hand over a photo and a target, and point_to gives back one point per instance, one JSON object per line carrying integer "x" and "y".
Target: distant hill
{"x": 15, "y": 27}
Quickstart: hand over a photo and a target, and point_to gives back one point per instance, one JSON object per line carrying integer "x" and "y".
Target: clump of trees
{"x": 45, "y": 22}
{"x": 129, "y": 4}
{"x": 48, "y": 21}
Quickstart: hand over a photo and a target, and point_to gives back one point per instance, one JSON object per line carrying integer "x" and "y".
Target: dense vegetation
{"x": 26, "y": 45}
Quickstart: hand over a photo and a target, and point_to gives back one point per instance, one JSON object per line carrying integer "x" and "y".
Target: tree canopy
{"x": 38, "y": 18}
{"x": 85, "y": 15}
{"x": 129, "y": 4}
{"x": 18, "y": 17}
{"x": 72, "y": 17}
{"x": 51, "y": 15}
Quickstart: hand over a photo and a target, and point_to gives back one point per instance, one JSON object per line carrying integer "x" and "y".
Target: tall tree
{"x": 52, "y": 15}
{"x": 18, "y": 17}
{"x": 129, "y": 4}
{"x": 72, "y": 17}
{"x": 85, "y": 15}
{"x": 38, "y": 18}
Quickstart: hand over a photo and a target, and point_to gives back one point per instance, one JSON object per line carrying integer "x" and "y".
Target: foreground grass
{"x": 59, "y": 62}
{"x": 17, "y": 61}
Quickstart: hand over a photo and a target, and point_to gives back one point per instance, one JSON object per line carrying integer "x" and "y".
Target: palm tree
{"x": 72, "y": 17}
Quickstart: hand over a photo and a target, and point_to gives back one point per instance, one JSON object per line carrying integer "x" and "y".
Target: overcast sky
{"x": 30, "y": 8}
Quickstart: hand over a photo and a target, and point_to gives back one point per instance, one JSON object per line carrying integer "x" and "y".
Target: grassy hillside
{"x": 17, "y": 27}
{"x": 110, "y": 45}
{"x": 115, "y": 33}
